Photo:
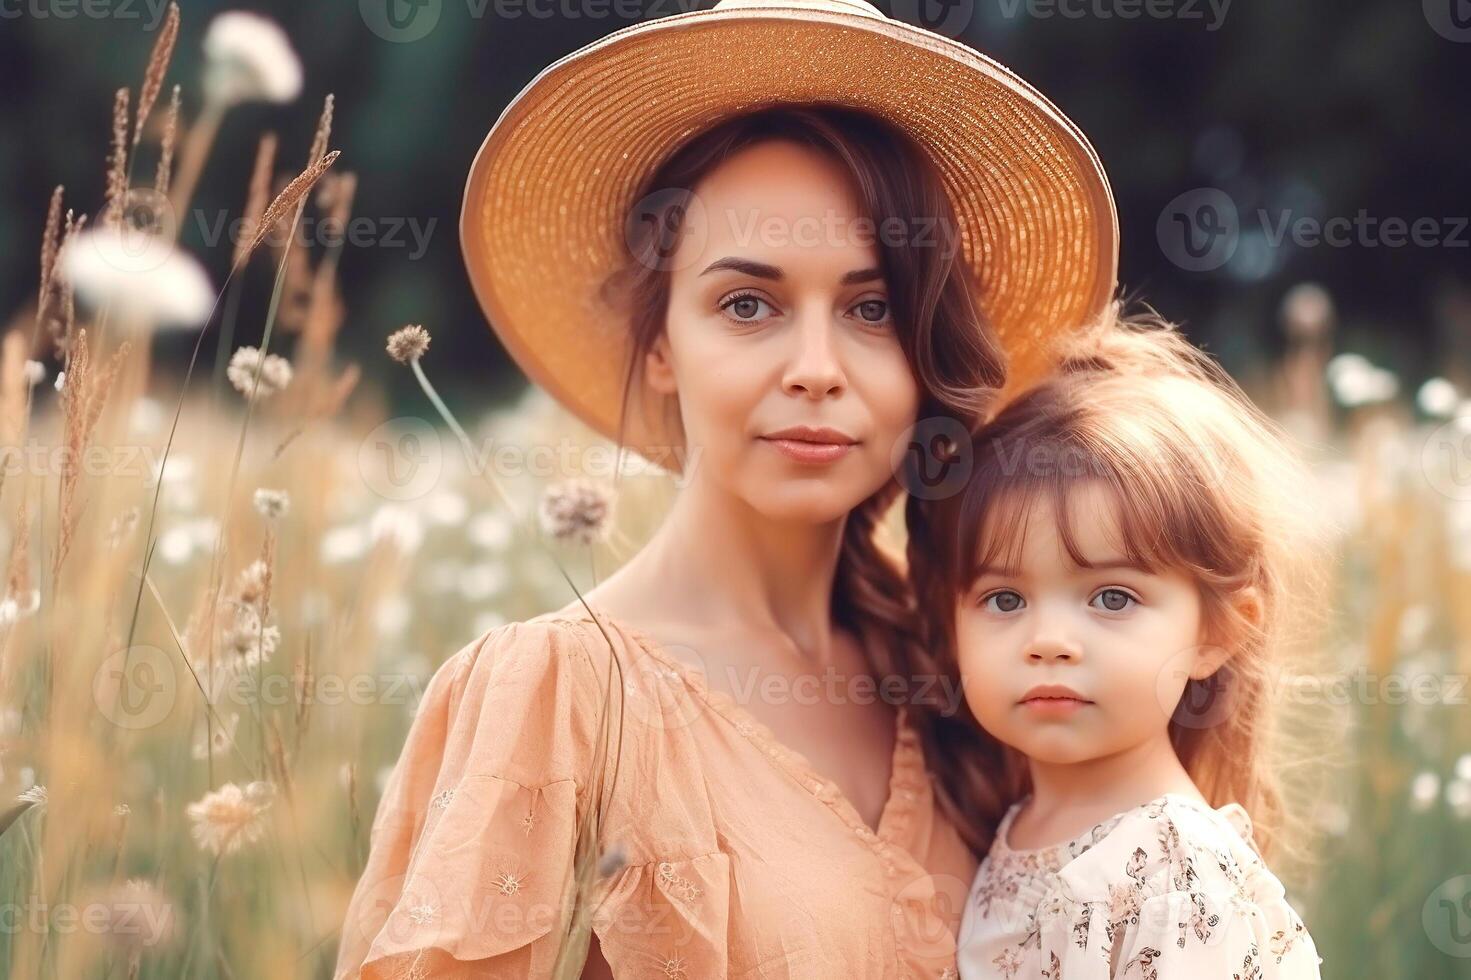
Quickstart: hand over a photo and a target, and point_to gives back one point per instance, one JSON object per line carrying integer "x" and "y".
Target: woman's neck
{"x": 716, "y": 560}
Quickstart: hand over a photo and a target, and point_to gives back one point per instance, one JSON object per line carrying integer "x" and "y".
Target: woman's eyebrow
{"x": 762, "y": 270}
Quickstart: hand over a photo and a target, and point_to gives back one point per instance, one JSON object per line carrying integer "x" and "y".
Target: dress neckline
{"x": 907, "y": 771}
{"x": 1233, "y": 813}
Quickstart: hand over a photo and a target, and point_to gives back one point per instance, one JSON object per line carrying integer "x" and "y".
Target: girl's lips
{"x": 811, "y": 452}
{"x": 1054, "y": 706}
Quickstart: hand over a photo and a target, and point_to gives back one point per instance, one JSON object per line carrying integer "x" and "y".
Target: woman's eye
{"x": 744, "y": 307}
{"x": 1004, "y": 601}
{"x": 873, "y": 311}
{"x": 1113, "y": 600}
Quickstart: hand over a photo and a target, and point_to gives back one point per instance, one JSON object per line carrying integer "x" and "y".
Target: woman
{"x": 753, "y": 273}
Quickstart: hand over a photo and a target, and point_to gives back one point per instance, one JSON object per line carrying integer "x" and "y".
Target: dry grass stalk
{"x": 324, "y": 130}
{"x": 258, "y": 195}
{"x": 303, "y": 688}
{"x": 15, "y": 387}
{"x": 322, "y": 402}
{"x": 158, "y": 66}
{"x": 326, "y": 312}
{"x": 279, "y": 761}
{"x": 296, "y": 287}
{"x": 61, "y": 323}
{"x": 288, "y": 198}
{"x": 18, "y": 574}
{"x": 50, "y": 244}
{"x": 117, "y": 160}
{"x": 82, "y": 399}
{"x": 165, "y": 173}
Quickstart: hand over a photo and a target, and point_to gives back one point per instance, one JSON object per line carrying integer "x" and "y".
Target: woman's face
{"x": 779, "y": 319}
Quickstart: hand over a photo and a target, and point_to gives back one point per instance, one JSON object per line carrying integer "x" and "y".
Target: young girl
{"x": 1113, "y": 582}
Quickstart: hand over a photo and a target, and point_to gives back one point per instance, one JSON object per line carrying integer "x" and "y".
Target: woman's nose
{"x": 814, "y": 368}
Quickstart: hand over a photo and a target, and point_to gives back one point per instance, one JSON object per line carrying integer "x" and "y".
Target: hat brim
{"x": 547, "y": 194}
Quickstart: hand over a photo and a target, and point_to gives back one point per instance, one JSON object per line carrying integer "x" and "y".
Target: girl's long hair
{"x": 1203, "y": 482}
{"x": 950, "y": 347}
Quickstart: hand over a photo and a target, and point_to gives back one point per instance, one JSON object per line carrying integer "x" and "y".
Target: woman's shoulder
{"x": 556, "y": 639}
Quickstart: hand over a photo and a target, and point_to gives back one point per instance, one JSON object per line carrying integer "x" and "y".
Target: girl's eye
{"x": 743, "y": 307}
{"x": 874, "y": 312}
{"x": 1113, "y": 600}
{"x": 1003, "y": 601}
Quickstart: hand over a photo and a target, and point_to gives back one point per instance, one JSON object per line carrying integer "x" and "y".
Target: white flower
{"x": 14, "y": 608}
{"x": 342, "y": 544}
{"x": 143, "y": 279}
{"x": 1423, "y": 790}
{"x": 217, "y": 738}
{"x": 146, "y": 416}
{"x": 446, "y": 507}
{"x": 247, "y": 642}
{"x": 577, "y": 510}
{"x": 35, "y": 372}
{"x": 1307, "y": 310}
{"x": 271, "y": 504}
{"x": 1357, "y": 382}
{"x": 1438, "y": 397}
{"x": 392, "y": 615}
{"x": 275, "y": 373}
{"x": 225, "y": 820}
{"x": 60, "y": 380}
{"x": 1458, "y": 797}
{"x": 398, "y": 524}
{"x": 483, "y": 580}
{"x": 248, "y": 58}
{"x": 490, "y": 530}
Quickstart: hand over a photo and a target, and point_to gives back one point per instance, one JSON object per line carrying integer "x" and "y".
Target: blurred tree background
{"x": 1312, "y": 109}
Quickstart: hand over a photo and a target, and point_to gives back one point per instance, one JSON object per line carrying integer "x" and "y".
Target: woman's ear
{"x": 1212, "y": 654}
{"x": 659, "y": 367}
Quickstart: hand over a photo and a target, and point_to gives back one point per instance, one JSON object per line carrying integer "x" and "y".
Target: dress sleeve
{"x": 1183, "y": 935}
{"x": 472, "y": 845}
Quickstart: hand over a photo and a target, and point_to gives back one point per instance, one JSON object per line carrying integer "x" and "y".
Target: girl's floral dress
{"x": 1170, "y": 889}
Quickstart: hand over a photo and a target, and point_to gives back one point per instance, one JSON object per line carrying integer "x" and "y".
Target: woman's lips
{"x": 811, "y": 452}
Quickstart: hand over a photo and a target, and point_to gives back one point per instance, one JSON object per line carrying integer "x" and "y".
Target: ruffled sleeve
{"x": 1194, "y": 934}
{"x": 1174, "y": 893}
{"x": 472, "y": 845}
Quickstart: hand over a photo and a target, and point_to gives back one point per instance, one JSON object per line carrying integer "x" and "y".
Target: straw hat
{"x": 549, "y": 191}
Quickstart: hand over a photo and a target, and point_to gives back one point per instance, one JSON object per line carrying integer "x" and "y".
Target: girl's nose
{"x": 1053, "y": 644}
{"x": 814, "y": 369}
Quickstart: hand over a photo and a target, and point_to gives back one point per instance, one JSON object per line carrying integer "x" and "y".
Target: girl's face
{"x": 1067, "y": 664}
{"x": 779, "y": 318}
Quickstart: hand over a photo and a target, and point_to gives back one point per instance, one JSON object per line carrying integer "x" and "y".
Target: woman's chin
{"x": 808, "y": 500}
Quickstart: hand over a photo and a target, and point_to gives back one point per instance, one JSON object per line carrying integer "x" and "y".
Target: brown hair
{"x": 950, "y": 347}
{"x": 1203, "y": 481}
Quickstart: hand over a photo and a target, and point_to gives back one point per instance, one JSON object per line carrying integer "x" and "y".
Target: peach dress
{"x": 739, "y": 860}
